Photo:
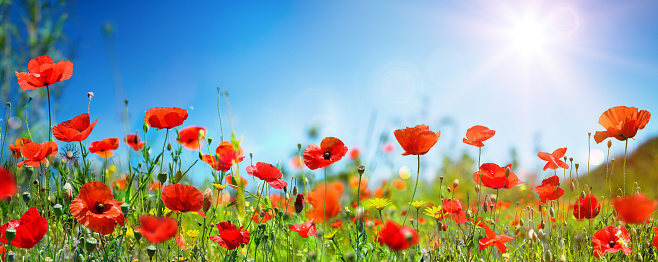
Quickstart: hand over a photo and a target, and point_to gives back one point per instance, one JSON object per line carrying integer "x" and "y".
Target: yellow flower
{"x": 434, "y": 212}
{"x": 331, "y": 235}
{"x": 379, "y": 203}
{"x": 219, "y": 187}
{"x": 130, "y": 232}
{"x": 192, "y": 233}
{"x": 418, "y": 204}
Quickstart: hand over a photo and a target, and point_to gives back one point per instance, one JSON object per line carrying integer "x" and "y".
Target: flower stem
{"x": 414, "y": 194}
{"x": 356, "y": 221}
{"x": 625, "y": 152}
{"x": 50, "y": 125}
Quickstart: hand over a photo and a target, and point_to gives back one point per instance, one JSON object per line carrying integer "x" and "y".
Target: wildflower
{"x": 654, "y": 242}
{"x": 549, "y": 190}
{"x": 262, "y": 216}
{"x": 43, "y": 72}
{"x": 104, "y": 147}
{"x": 157, "y": 229}
{"x": 305, "y": 229}
{"x": 397, "y": 238}
{"x": 418, "y": 204}
{"x": 189, "y": 137}
{"x": 226, "y": 155}
{"x": 451, "y": 206}
{"x": 331, "y": 235}
{"x": 478, "y": 134}
{"x": 417, "y": 140}
{"x": 622, "y": 123}
{"x": 35, "y": 154}
{"x": 588, "y": 207}
{"x": 182, "y": 198}
{"x": 354, "y": 153}
{"x": 331, "y": 150}
{"x": 494, "y": 240}
{"x": 8, "y": 186}
{"x": 230, "y": 237}
{"x": 332, "y": 203}
{"x": 553, "y": 159}
{"x": 30, "y": 229}
{"x": 634, "y": 209}
{"x": 267, "y": 173}
{"x": 70, "y": 154}
{"x": 337, "y": 224}
{"x": 96, "y": 208}
{"x": 165, "y": 117}
{"x": 611, "y": 240}
{"x": 219, "y": 187}
{"x": 76, "y": 129}
{"x": 495, "y": 177}
{"x": 121, "y": 183}
{"x": 134, "y": 141}
{"x": 299, "y": 203}
{"x": 16, "y": 147}
{"x": 435, "y": 212}
{"x": 379, "y": 203}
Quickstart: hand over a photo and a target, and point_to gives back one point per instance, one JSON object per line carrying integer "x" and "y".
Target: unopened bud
{"x": 145, "y": 127}
{"x": 361, "y": 169}
{"x": 576, "y": 165}
{"x": 441, "y": 178}
{"x": 207, "y": 199}
{"x": 294, "y": 191}
{"x": 551, "y": 212}
{"x": 168, "y": 146}
{"x": 90, "y": 95}
{"x": 609, "y": 143}
{"x": 209, "y": 140}
{"x": 583, "y": 195}
{"x": 507, "y": 172}
{"x": 455, "y": 183}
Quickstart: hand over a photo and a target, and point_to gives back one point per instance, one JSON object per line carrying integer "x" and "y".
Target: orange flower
{"x": 96, "y": 208}
{"x": 104, "y": 147}
{"x": 189, "y": 137}
{"x": 157, "y": 229}
{"x": 165, "y": 117}
{"x": 331, "y": 150}
{"x": 553, "y": 159}
{"x": 226, "y": 156}
{"x": 399, "y": 184}
{"x": 622, "y": 123}
{"x": 549, "y": 189}
{"x": 182, "y": 198}
{"x": 478, "y": 134}
{"x": 16, "y": 148}
{"x": 134, "y": 141}
{"x": 43, "y": 72}
{"x": 634, "y": 209}
{"x": 417, "y": 140}
{"x": 35, "y": 154}
{"x": 316, "y": 198}
{"x": 76, "y": 129}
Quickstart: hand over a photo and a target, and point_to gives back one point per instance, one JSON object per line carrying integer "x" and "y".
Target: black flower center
{"x": 611, "y": 244}
{"x": 326, "y": 155}
{"x": 100, "y": 207}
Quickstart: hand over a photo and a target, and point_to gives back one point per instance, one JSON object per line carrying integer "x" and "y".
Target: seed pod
{"x": 90, "y": 244}
{"x": 150, "y": 251}
{"x": 361, "y": 169}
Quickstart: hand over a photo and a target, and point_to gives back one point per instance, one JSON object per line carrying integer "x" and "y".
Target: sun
{"x": 528, "y": 36}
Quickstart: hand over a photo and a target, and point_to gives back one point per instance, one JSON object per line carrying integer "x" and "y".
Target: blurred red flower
{"x": 337, "y": 224}
{"x": 43, "y": 72}
{"x": 230, "y": 237}
{"x": 35, "y": 154}
{"x": 16, "y": 147}
{"x": 494, "y": 240}
{"x": 30, "y": 229}
{"x": 588, "y": 207}
{"x": 331, "y": 150}
{"x": 478, "y": 134}
{"x": 317, "y": 200}
{"x": 104, "y": 147}
{"x": 165, "y": 117}
{"x": 549, "y": 189}
{"x": 190, "y": 136}
{"x": 182, "y": 198}
{"x": 417, "y": 140}
{"x": 157, "y": 229}
{"x": 493, "y": 176}
{"x": 654, "y": 242}
{"x": 305, "y": 229}
{"x": 611, "y": 240}
{"x": 553, "y": 159}
{"x": 262, "y": 216}
{"x": 76, "y": 129}
{"x": 8, "y": 186}
{"x": 354, "y": 153}
{"x": 226, "y": 156}
{"x": 397, "y": 238}
{"x": 231, "y": 181}
{"x": 267, "y": 173}
{"x": 134, "y": 141}
{"x": 451, "y": 206}
{"x": 96, "y": 208}
{"x": 634, "y": 209}
{"x": 621, "y": 122}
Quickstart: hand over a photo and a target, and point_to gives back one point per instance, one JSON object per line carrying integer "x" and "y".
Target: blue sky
{"x": 538, "y": 72}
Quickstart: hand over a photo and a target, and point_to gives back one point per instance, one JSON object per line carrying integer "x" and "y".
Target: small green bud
{"x": 10, "y": 234}
{"x": 145, "y": 127}
{"x": 58, "y": 210}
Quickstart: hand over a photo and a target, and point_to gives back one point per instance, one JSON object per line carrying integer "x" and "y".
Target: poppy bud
{"x": 138, "y": 236}
{"x": 477, "y": 189}
{"x": 552, "y": 212}
{"x": 200, "y": 155}
{"x": 207, "y": 199}
{"x": 145, "y": 127}
{"x": 583, "y": 195}
{"x": 287, "y": 197}
{"x": 168, "y": 146}
{"x": 542, "y": 224}
{"x": 10, "y": 234}
{"x": 90, "y": 244}
{"x": 448, "y": 190}
{"x": 162, "y": 177}
{"x": 57, "y": 210}
{"x": 531, "y": 235}
{"x": 521, "y": 222}
{"x": 299, "y": 203}
{"x": 468, "y": 214}
{"x": 26, "y": 197}
{"x": 361, "y": 169}
{"x": 517, "y": 230}
{"x": 299, "y": 147}
{"x": 572, "y": 186}
{"x": 548, "y": 256}
{"x": 68, "y": 192}
{"x": 150, "y": 251}
{"x": 541, "y": 234}
{"x": 609, "y": 143}
{"x": 125, "y": 207}
{"x": 90, "y": 95}
{"x": 209, "y": 140}
{"x": 565, "y": 158}
{"x": 125, "y": 101}
{"x": 441, "y": 179}
{"x": 294, "y": 191}
{"x": 455, "y": 183}
{"x": 577, "y": 165}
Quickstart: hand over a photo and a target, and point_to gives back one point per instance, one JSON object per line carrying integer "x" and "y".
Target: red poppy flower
{"x": 157, "y": 229}
{"x": 16, "y": 148}
{"x": 96, "y": 208}
{"x": 654, "y": 242}
{"x": 230, "y": 237}
{"x": 549, "y": 189}
{"x": 263, "y": 216}
{"x": 165, "y": 117}
{"x": 189, "y": 137}
{"x": 267, "y": 173}
{"x": 622, "y": 123}
{"x": 588, "y": 207}
{"x": 121, "y": 183}
{"x": 634, "y": 209}
{"x": 134, "y": 141}
{"x": 493, "y": 176}
{"x": 417, "y": 140}
{"x": 494, "y": 240}
{"x": 35, "y": 155}
{"x": 478, "y": 134}
{"x": 331, "y": 150}
{"x": 43, "y": 72}
{"x": 104, "y": 147}
{"x": 611, "y": 240}
{"x": 305, "y": 229}
{"x": 226, "y": 156}
{"x": 451, "y": 206}
{"x": 8, "y": 186}
{"x": 553, "y": 159}
{"x": 76, "y": 129}
{"x": 299, "y": 203}
{"x": 332, "y": 204}
{"x": 397, "y": 238}
{"x": 30, "y": 229}
{"x": 182, "y": 198}
{"x": 337, "y": 224}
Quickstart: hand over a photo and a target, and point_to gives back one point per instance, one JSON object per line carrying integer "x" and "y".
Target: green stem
{"x": 50, "y": 125}
{"x": 414, "y": 194}
{"x": 625, "y": 152}
{"x": 356, "y": 221}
